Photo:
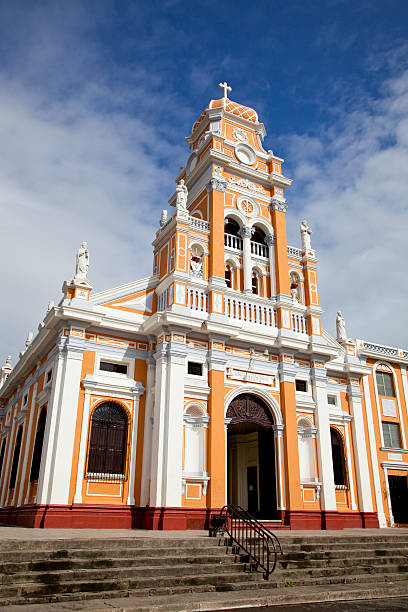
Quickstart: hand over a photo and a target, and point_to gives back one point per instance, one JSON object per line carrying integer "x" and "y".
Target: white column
{"x": 82, "y": 448}
{"x": 246, "y": 233}
{"x": 360, "y": 449}
{"x": 148, "y": 432}
{"x": 324, "y": 450}
{"x": 173, "y": 442}
{"x": 138, "y": 391}
{"x": 7, "y": 461}
{"x": 270, "y": 241}
{"x": 279, "y": 467}
{"x": 27, "y": 445}
{"x": 374, "y": 456}
{"x": 55, "y": 474}
{"x": 159, "y": 413}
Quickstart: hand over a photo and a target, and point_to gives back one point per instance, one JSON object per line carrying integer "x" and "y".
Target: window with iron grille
{"x": 385, "y": 384}
{"x": 38, "y": 446}
{"x": 339, "y": 466}
{"x": 107, "y": 444}
{"x": 16, "y": 458}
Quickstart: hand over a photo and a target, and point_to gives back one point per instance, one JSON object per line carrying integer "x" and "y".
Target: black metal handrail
{"x": 258, "y": 542}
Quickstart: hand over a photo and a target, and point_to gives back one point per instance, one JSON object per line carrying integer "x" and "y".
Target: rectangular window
{"x": 391, "y": 433}
{"x": 194, "y": 368}
{"x": 48, "y": 377}
{"x": 332, "y": 400}
{"x": 301, "y": 385}
{"x": 385, "y": 384}
{"x": 25, "y": 399}
{"x": 116, "y": 368}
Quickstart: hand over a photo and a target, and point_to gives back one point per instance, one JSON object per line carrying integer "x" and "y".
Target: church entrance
{"x": 399, "y": 498}
{"x": 251, "y": 456}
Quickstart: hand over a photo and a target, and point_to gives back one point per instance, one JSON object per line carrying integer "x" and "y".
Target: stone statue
{"x": 340, "y": 327}
{"x": 294, "y": 294}
{"x": 196, "y": 266}
{"x": 181, "y": 196}
{"x": 163, "y": 218}
{"x": 305, "y": 233}
{"x": 82, "y": 262}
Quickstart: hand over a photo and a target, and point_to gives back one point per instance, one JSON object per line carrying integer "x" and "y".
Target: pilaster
{"x": 216, "y": 496}
{"x": 56, "y": 466}
{"x": 360, "y": 448}
{"x": 291, "y": 455}
{"x": 324, "y": 451}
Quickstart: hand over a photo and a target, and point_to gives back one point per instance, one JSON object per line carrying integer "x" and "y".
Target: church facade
{"x": 155, "y": 403}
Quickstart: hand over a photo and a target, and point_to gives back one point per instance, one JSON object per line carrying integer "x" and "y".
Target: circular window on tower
{"x": 245, "y": 153}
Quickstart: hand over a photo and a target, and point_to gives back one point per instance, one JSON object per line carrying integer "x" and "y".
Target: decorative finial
{"x": 29, "y": 338}
{"x": 50, "y": 305}
{"x": 8, "y": 360}
{"x": 82, "y": 262}
{"x": 163, "y": 218}
{"x": 226, "y": 88}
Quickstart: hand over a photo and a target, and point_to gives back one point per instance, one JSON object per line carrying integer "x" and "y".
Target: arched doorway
{"x": 251, "y": 456}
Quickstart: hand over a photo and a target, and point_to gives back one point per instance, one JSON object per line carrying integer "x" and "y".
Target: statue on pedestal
{"x": 82, "y": 262}
{"x": 305, "y": 233}
{"x": 181, "y": 196}
{"x": 340, "y": 327}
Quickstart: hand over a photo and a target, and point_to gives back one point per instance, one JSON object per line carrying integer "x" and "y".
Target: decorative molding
{"x": 246, "y": 184}
{"x": 248, "y": 408}
{"x": 279, "y": 205}
{"x": 216, "y": 184}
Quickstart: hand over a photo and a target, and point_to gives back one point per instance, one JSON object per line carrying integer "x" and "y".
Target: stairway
{"x": 201, "y": 573}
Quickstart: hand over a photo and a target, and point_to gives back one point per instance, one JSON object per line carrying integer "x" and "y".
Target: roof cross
{"x": 226, "y": 88}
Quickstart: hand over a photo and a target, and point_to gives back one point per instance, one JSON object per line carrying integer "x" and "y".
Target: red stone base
{"x": 87, "y": 516}
{"x": 302, "y": 519}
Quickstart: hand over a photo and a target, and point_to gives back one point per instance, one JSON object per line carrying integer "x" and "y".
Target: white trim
{"x": 397, "y": 396}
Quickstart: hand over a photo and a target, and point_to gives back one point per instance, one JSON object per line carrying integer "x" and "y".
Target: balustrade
{"x": 233, "y": 242}
{"x": 197, "y": 300}
{"x": 258, "y": 249}
{"x": 299, "y": 323}
{"x": 251, "y": 312}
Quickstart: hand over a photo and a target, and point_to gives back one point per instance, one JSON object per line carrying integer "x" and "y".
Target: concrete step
{"x": 172, "y": 571}
{"x": 95, "y": 588}
{"x": 51, "y": 565}
{"x": 216, "y": 600}
{"x": 343, "y": 562}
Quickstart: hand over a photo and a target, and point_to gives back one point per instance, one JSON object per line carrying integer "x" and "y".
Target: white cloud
{"x": 69, "y": 174}
{"x": 351, "y": 183}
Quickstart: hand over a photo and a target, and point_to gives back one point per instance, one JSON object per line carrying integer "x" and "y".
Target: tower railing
{"x": 251, "y": 312}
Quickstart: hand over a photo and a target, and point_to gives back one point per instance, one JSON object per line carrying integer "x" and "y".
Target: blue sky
{"x": 97, "y": 97}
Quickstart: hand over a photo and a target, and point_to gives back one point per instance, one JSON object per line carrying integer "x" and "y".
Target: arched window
{"x": 339, "y": 467}
{"x": 258, "y": 244}
{"x": 231, "y": 227}
{"x": 16, "y": 458}
{"x": 107, "y": 444}
{"x": 38, "y": 446}
{"x": 232, "y": 238}
{"x": 3, "y": 450}
{"x": 255, "y": 282}
{"x": 229, "y": 276}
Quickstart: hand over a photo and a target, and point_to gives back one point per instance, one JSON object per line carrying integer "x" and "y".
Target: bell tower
{"x": 224, "y": 251}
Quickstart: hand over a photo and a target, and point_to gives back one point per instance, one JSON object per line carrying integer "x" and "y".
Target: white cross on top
{"x": 226, "y": 88}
